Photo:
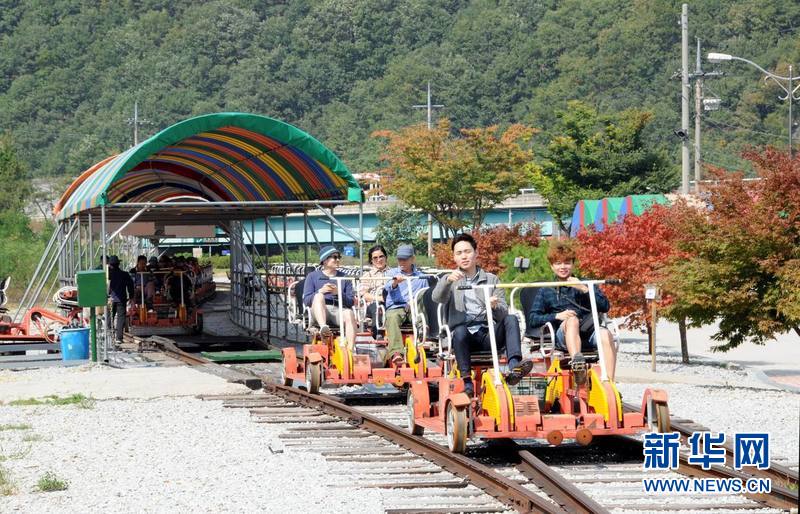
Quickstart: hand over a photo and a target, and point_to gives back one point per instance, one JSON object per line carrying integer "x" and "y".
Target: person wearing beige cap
{"x": 398, "y": 311}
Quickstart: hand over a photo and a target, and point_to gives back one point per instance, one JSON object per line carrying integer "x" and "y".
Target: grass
{"x": 18, "y": 426}
{"x": 78, "y": 399}
{"x": 50, "y": 482}
{"x": 6, "y": 485}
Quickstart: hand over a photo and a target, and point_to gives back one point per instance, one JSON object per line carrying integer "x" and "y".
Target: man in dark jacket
{"x": 564, "y": 307}
{"x": 466, "y": 314}
{"x": 120, "y": 288}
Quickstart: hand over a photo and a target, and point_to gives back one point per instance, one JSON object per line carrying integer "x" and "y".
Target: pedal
{"x": 579, "y": 372}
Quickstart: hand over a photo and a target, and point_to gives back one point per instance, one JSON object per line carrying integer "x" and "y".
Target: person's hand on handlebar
{"x": 565, "y": 315}
{"x": 455, "y": 276}
{"x": 582, "y": 288}
{"x": 397, "y": 279}
{"x": 328, "y": 288}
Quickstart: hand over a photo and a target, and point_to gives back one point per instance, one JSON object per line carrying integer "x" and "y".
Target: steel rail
{"x": 782, "y": 475}
{"x": 504, "y": 489}
{"x": 779, "y": 497}
{"x": 560, "y": 489}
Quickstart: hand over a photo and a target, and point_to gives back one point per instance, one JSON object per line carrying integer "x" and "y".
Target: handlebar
{"x": 609, "y": 281}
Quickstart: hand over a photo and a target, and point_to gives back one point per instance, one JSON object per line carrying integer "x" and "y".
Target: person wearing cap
{"x": 465, "y": 308}
{"x": 120, "y": 288}
{"x": 320, "y": 292}
{"x": 398, "y": 311}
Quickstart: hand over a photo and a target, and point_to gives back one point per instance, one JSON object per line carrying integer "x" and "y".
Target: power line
{"x": 720, "y": 125}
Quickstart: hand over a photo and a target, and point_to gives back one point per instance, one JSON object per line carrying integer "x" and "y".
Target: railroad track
{"x": 382, "y": 454}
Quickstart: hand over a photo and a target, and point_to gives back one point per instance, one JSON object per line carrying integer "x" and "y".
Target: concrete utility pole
{"x": 698, "y": 111}
{"x": 685, "y": 91}
{"x": 429, "y": 106}
{"x": 135, "y": 121}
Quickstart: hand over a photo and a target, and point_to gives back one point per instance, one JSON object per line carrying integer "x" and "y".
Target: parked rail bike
{"x": 329, "y": 359}
{"x": 167, "y": 301}
{"x": 558, "y": 400}
{"x": 39, "y": 325}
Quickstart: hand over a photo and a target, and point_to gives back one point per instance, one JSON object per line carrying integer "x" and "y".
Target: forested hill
{"x": 70, "y": 70}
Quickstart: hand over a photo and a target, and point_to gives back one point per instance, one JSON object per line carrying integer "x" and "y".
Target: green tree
{"x": 397, "y": 226}
{"x": 595, "y": 155}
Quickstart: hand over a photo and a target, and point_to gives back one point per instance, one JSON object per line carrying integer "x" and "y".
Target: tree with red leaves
{"x": 492, "y": 243}
{"x": 746, "y": 267}
{"x": 636, "y": 250}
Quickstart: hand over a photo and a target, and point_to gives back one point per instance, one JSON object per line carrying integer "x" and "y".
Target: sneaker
{"x": 579, "y": 368}
{"x": 469, "y": 388}
{"x": 325, "y": 331}
{"x": 397, "y": 360}
{"x": 519, "y": 371}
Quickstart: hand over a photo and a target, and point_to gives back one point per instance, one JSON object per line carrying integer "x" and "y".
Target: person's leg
{"x": 609, "y": 352}
{"x": 572, "y": 336}
{"x": 507, "y": 336}
{"x": 372, "y": 314}
{"x": 318, "y": 311}
{"x": 461, "y": 348}
{"x": 395, "y": 318}
{"x": 118, "y": 309}
{"x": 349, "y": 319}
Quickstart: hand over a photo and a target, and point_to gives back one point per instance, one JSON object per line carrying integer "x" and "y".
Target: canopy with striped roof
{"x": 224, "y": 157}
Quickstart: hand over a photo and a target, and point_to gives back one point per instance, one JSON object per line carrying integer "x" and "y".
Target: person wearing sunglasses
{"x": 372, "y": 282}
{"x": 320, "y": 292}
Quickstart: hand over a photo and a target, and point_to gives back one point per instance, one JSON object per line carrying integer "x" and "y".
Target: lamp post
{"x": 785, "y": 83}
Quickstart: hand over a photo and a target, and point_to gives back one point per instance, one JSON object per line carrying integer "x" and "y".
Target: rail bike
{"x": 164, "y": 305}
{"x": 39, "y": 325}
{"x": 328, "y": 359}
{"x": 558, "y": 400}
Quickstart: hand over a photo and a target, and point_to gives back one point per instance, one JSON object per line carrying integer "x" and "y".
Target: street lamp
{"x": 789, "y": 90}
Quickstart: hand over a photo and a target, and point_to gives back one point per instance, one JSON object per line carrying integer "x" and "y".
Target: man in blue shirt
{"x": 320, "y": 292}
{"x": 564, "y": 307}
{"x": 398, "y": 311}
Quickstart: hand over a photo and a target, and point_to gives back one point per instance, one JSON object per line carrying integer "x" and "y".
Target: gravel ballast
{"x": 162, "y": 455}
{"x": 742, "y": 403}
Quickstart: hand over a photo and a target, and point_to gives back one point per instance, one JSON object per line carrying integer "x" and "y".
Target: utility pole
{"x": 429, "y": 106}
{"x": 135, "y": 121}
{"x": 685, "y": 91}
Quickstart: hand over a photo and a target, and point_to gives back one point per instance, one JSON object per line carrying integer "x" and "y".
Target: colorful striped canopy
{"x": 637, "y": 204}
{"x": 583, "y": 215}
{"x": 224, "y": 157}
{"x": 607, "y": 211}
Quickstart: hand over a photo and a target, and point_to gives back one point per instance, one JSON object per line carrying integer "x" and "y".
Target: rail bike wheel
{"x": 313, "y": 377}
{"x": 413, "y": 428}
{"x": 284, "y": 379}
{"x": 658, "y": 416}
{"x": 456, "y": 428}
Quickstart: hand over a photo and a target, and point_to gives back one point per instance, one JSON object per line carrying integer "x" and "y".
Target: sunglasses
{"x": 336, "y": 257}
{"x": 376, "y": 257}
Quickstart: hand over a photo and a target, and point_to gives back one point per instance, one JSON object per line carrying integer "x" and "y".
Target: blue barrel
{"x": 75, "y": 344}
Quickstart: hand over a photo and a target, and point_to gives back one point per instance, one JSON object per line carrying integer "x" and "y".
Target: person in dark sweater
{"x": 321, "y": 294}
{"x": 564, "y": 307}
{"x": 120, "y": 288}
